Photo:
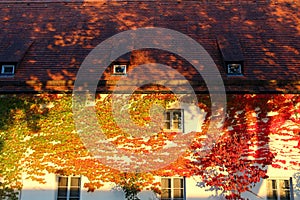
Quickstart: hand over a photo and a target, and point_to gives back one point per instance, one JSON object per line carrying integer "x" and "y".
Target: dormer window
{"x": 231, "y": 52}
{"x": 7, "y": 69}
{"x": 12, "y": 55}
{"x": 119, "y": 66}
{"x": 119, "y": 69}
{"x": 234, "y": 69}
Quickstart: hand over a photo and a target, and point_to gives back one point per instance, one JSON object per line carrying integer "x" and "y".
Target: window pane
{"x": 168, "y": 116}
{"x": 120, "y": 69}
{"x": 167, "y": 125}
{"x": 179, "y": 125}
{"x": 178, "y": 193}
{"x": 178, "y": 183}
{"x": 176, "y": 120}
{"x": 177, "y": 115}
{"x": 272, "y": 193}
{"x": 286, "y": 184}
{"x": 74, "y": 198}
{"x": 8, "y": 70}
{"x": 62, "y": 181}
{"x": 285, "y": 196}
{"x": 61, "y": 198}
{"x": 62, "y": 192}
{"x": 284, "y": 189}
{"x": 166, "y": 183}
{"x": 166, "y": 193}
{"x": 274, "y": 184}
{"x": 75, "y": 181}
{"x": 74, "y": 192}
{"x": 175, "y": 125}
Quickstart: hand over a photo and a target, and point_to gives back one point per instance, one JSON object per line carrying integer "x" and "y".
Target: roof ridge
{"x": 207, "y": 1}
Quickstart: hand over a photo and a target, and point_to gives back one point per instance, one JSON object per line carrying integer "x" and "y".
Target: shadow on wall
{"x": 97, "y": 195}
{"x": 253, "y": 194}
{"x": 48, "y": 194}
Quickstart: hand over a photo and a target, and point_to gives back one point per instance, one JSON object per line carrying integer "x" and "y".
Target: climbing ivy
{"x": 38, "y": 135}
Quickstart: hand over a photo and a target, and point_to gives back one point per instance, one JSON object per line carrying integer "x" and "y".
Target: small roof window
{"x": 119, "y": 69}
{"x": 7, "y": 69}
{"x": 234, "y": 69}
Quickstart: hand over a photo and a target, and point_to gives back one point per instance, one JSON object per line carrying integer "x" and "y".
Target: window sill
{"x": 119, "y": 74}
{"x": 7, "y": 75}
{"x": 235, "y": 75}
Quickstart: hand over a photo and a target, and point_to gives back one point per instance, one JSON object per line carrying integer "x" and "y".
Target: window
{"x": 119, "y": 69}
{"x": 279, "y": 189}
{"x": 172, "y": 188}
{"x": 7, "y": 69}
{"x": 68, "y": 188}
{"x": 234, "y": 69}
{"x": 232, "y": 53}
{"x": 173, "y": 120}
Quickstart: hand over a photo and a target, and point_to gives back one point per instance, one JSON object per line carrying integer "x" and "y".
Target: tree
{"x": 133, "y": 183}
{"x": 239, "y": 158}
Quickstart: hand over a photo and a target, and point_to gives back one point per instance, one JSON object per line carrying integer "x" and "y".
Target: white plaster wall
{"x": 193, "y": 118}
{"x": 108, "y": 191}
{"x": 261, "y": 188}
{"x": 259, "y": 192}
{"x": 33, "y": 190}
{"x": 194, "y": 192}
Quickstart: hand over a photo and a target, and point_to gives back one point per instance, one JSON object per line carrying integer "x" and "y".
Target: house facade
{"x": 281, "y": 182}
{"x": 241, "y": 55}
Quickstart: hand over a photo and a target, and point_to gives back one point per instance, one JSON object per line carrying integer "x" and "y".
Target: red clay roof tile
{"x": 64, "y": 32}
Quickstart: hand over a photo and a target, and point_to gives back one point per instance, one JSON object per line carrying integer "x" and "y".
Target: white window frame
{"x": 277, "y": 188}
{"x": 10, "y": 66}
{"x": 68, "y": 187}
{"x": 172, "y": 188}
{"x": 171, "y": 121}
{"x": 119, "y": 73}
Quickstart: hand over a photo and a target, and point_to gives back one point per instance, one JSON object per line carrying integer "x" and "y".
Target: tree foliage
{"x": 240, "y": 157}
{"x": 7, "y": 193}
{"x": 133, "y": 183}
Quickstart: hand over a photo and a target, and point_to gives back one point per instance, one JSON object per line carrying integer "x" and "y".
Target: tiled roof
{"x": 64, "y": 32}
{"x": 14, "y": 49}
